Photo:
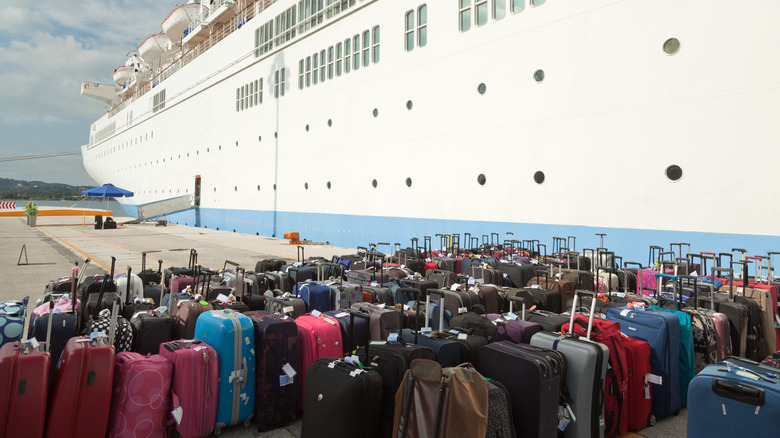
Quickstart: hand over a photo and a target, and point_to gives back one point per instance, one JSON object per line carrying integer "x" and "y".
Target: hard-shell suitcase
{"x": 233, "y": 336}
{"x": 550, "y": 322}
{"x": 318, "y": 337}
{"x": 195, "y": 386}
{"x": 141, "y": 397}
{"x": 12, "y": 316}
{"x": 586, "y": 369}
{"x": 734, "y": 399}
{"x": 545, "y": 299}
{"x": 80, "y": 398}
{"x": 533, "y": 378}
{"x": 382, "y": 321}
{"x": 24, "y": 370}
{"x": 342, "y": 398}
{"x": 277, "y": 394}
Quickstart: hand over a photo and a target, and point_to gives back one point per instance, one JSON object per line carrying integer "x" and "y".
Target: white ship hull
{"x": 611, "y": 114}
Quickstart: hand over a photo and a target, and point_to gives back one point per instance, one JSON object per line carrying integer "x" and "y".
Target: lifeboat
{"x": 123, "y": 74}
{"x": 152, "y": 47}
{"x": 179, "y": 20}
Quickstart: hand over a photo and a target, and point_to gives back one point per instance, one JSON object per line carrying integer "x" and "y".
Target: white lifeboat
{"x": 152, "y": 47}
{"x": 123, "y": 74}
{"x": 179, "y": 19}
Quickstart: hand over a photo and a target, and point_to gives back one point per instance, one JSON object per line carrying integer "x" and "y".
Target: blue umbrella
{"x": 107, "y": 191}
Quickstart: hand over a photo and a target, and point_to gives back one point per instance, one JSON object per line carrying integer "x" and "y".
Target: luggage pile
{"x": 499, "y": 339}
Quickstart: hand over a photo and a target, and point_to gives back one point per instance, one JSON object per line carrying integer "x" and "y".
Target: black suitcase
{"x": 420, "y": 284}
{"x": 149, "y": 276}
{"x": 342, "y": 399}
{"x": 279, "y": 280}
{"x": 533, "y": 378}
{"x": 550, "y": 322}
{"x": 149, "y": 331}
{"x": 286, "y": 305}
{"x": 546, "y": 299}
{"x": 448, "y": 352}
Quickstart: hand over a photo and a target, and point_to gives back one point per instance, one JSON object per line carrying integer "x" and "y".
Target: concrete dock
{"x": 49, "y": 250}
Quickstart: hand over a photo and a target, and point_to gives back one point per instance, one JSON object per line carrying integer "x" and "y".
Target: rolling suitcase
{"x": 586, "y": 369}
{"x": 638, "y": 393}
{"x": 341, "y": 397}
{"x": 447, "y": 352}
{"x": 12, "y": 320}
{"x": 382, "y": 321}
{"x": 285, "y": 304}
{"x": 550, "y": 322}
{"x": 734, "y": 399}
{"x": 80, "y": 398}
{"x": 24, "y": 368}
{"x": 318, "y": 337}
{"x": 533, "y": 378}
{"x": 510, "y": 327}
{"x": 184, "y": 317}
{"x": 233, "y": 336}
{"x": 142, "y": 392}
{"x": 278, "y": 362}
{"x": 195, "y": 384}
{"x": 316, "y": 296}
{"x": 359, "y": 337}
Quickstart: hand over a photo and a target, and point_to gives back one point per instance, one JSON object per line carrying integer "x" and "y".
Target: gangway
{"x": 166, "y": 206}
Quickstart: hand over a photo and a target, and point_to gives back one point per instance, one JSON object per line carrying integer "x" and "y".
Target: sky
{"x": 47, "y": 49}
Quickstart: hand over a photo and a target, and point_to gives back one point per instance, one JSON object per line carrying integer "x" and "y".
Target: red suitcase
{"x": 81, "y": 396}
{"x": 318, "y": 337}
{"x": 638, "y": 394}
{"x": 24, "y": 371}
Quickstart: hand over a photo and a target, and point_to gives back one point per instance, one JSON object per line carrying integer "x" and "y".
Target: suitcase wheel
{"x": 651, "y": 420}
{"x": 217, "y": 431}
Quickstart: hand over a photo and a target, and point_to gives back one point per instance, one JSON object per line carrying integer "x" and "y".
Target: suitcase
{"x": 344, "y": 295}
{"x": 545, "y": 299}
{"x": 638, "y": 393}
{"x": 184, "y": 317}
{"x": 316, "y": 296}
{"x": 510, "y": 327}
{"x": 123, "y": 341}
{"x": 564, "y": 288}
{"x": 533, "y": 377}
{"x": 380, "y": 294}
{"x": 12, "y": 319}
{"x": 488, "y": 297}
{"x": 23, "y": 396}
{"x": 586, "y": 369}
{"x": 382, "y": 321}
{"x": 150, "y": 276}
{"x": 141, "y": 398}
{"x": 129, "y": 290}
{"x": 318, "y": 337}
{"x": 342, "y": 397}
{"x": 195, "y": 381}
{"x": 443, "y": 279}
{"x": 478, "y": 323}
{"x": 277, "y": 393}
{"x": 550, "y": 322}
{"x": 233, "y": 336}
{"x": 447, "y": 352}
{"x": 149, "y": 331}
{"x": 342, "y": 316}
{"x": 733, "y": 399}
{"x": 80, "y": 397}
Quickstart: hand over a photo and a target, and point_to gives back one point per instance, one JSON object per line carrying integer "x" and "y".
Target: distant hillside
{"x": 38, "y": 190}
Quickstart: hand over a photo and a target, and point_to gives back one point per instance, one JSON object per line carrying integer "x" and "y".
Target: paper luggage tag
{"x": 463, "y": 336}
{"x": 454, "y": 332}
{"x": 316, "y": 313}
{"x": 381, "y": 306}
{"x": 471, "y": 281}
{"x": 406, "y": 307}
{"x": 177, "y": 414}
{"x": 535, "y": 286}
{"x": 34, "y": 343}
{"x": 392, "y": 337}
{"x": 426, "y": 331}
{"x": 288, "y": 369}
{"x": 510, "y": 316}
{"x": 288, "y": 309}
{"x": 285, "y": 380}
{"x": 329, "y": 320}
{"x": 652, "y": 378}
{"x": 222, "y": 298}
{"x": 341, "y": 314}
{"x": 455, "y": 286}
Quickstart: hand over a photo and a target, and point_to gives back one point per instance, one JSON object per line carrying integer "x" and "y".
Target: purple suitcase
{"x": 513, "y": 327}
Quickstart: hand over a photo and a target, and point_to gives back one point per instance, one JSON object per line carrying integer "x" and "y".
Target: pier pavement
{"x": 51, "y": 248}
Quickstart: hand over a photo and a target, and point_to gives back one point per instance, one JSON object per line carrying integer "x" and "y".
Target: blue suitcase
{"x": 687, "y": 363}
{"x": 734, "y": 398}
{"x": 233, "y": 337}
{"x": 316, "y": 296}
{"x": 662, "y": 331}
{"x": 342, "y": 316}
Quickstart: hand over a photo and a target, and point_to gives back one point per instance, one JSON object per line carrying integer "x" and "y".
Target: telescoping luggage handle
{"x": 673, "y": 278}
{"x": 240, "y": 275}
{"x": 102, "y": 289}
{"x": 695, "y": 279}
{"x": 441, "y": 295}
{"x": 715, "y": 270}
{"x": 367, "y": 317}
{"x": 415, "y": 293}
{"x": 512, "y": 299}
{"x": 592, "y": 312}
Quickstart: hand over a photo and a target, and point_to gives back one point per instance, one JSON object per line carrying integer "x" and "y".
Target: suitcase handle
{"x": 577, "y": 293}
{"x": 367, "y": 317}
{"x": 513, "y": 298}
{"x": 739, "y": 391}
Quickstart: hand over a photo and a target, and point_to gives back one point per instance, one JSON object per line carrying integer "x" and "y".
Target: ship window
{"x": 315, "y": 68}
{"x": 308, "y": 71}
{"x": 375, "y": 47}
{"x": 322, "y": 66}
{"x": 330, "y": 122}
{"x": 536, "y": 3}
{"x": 409, "y": 104}
{"x": 674, "y": 172}
{"x": 328, "y": 185}
{"x": 671, "y": 46}
{"x": 246, "y": 96}
{"x": 482, "y": 88}
{"x": 539, "y": 75}
{"x": 465, "y": 15}
{"x": 376, "y": 112}
{"x": 422, "y": 25}
{"x": 330, "y": 62}
{"x": 242, "y": 98}
{"x": 339, "y": 58}
{"x": 356, "y": 56}
{"x": 300, "y": 74}
{"x": 408, "y": 182}
{"x": 481, "y": 179}
{"x": 258, "y": 187}
{"x": 517, "y": 6}
{"x": 366, "y": 44}
{"x": 306, "y": 186}
{"x": 539, "y": 177}
{"x": 409, "y": 31}
{"x": 499, "y": 9}
{"x": 256, "y": 92}
{"x": 347, "y": 54}
{"x": 373, "y": 183}
{"x": 481, "y": 12}
{"x": 251, "y": 94}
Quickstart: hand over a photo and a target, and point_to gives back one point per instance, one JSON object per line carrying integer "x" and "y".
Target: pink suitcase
{"x": 318, "y": 337}
{"x": 195, "y": 386}
{"x": 141, "y": 398}
{"x": 178, "y": 284}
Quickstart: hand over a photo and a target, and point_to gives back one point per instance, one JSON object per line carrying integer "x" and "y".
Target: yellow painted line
{"x": 127, "y": 249}
{"x": 59, "y": 212}
{"x": 94, "y": 260}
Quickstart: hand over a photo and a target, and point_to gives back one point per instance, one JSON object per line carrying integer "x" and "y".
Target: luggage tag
{"x": 285, "y": 380}
{"x": 222, "y": 298}
{"x": 426, "y": 331}
{"x": 471, "y": 281}
{"x": 288, "y": 370}
{"x": 392, "y": 337}
{"x": 381, "y": 306}
{"x": 454, "y": 286}
{"x": 341, "y": 315}
{"x": 462, "y": 310}
{"x": 288, "y": 309}
{"x": 652, "y": 378}
{"x": 511, "y": 316}
{"x": 316, "y": 313}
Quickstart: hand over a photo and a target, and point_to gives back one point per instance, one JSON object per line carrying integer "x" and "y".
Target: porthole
{"x": 258, "y": 187}
{"x": 330, "y": 122}
{"x": 373, "y": 183}
{"x": 376, "y": 112}
{"x": 197, "y": 152}
{"x": 188, "y": 154}
{"x": 409, "y": 104}
{"x": 220, "y": 147}
{"x": 482, "y": 88}
{"x": 236, "y": 144}
{"x": 306, "y": 186}
{"x": 208, "y": 150}
{"x": 274, "y": 187}
{"x": 276, "y": 135}
{"x": 539, "y": 177}
{"x": 235, "y": 188}
{"x": 481, "y": 179}
{"x": 259, "y": 138}
{"x": 671, "y": 46}
{"x": 408, "y": 182}
{"x": 674, "y": 172}
{"x": 539, "y": 75}
{"x": 328, "y": 185}
{"x": 307, "y": 128}
{"x": 215, "y": 189}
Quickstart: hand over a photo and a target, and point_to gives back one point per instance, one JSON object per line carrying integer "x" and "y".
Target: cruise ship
{"x": 356, "y": 121}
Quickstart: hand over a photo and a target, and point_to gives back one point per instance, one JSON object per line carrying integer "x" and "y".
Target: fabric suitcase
{"x": 232, "y": 335}
{"x": 277, "y": 393}
{"x": 360, "y": 338}
{"x": 182, "y": 282}
{"x": 379, "y": 295}
{"x": 80, "y": 398}
{"x": 546, "y": 299}
{"x": 564, "y": 288}
{"x": 443, "y": 278}
{"x": 638, "y": 393}
{"x": 730, "y": 399}
{"x": 447, "y": 352}
{"x": 533, "y": 379}
{"x": 344, "y": 295}
{"x": 316, "y": 296}
{"x": 479, "y": 325}
{"x": 318, "y": 337}
{"x": 149, "y": 331}
{"x": 420, "y": 284}
{"x": 142, "y": 391}
{"x": 488, "y": 297}
{"x": 382, "y": 321}
{"x": 195, "y": 384}
{"x": 23, "y": 396}
{"x": 586, "y": 369}
{"x": 184, "y": 317}
{"x": 286, "y": 305}
{"x": 550, "y": 322}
